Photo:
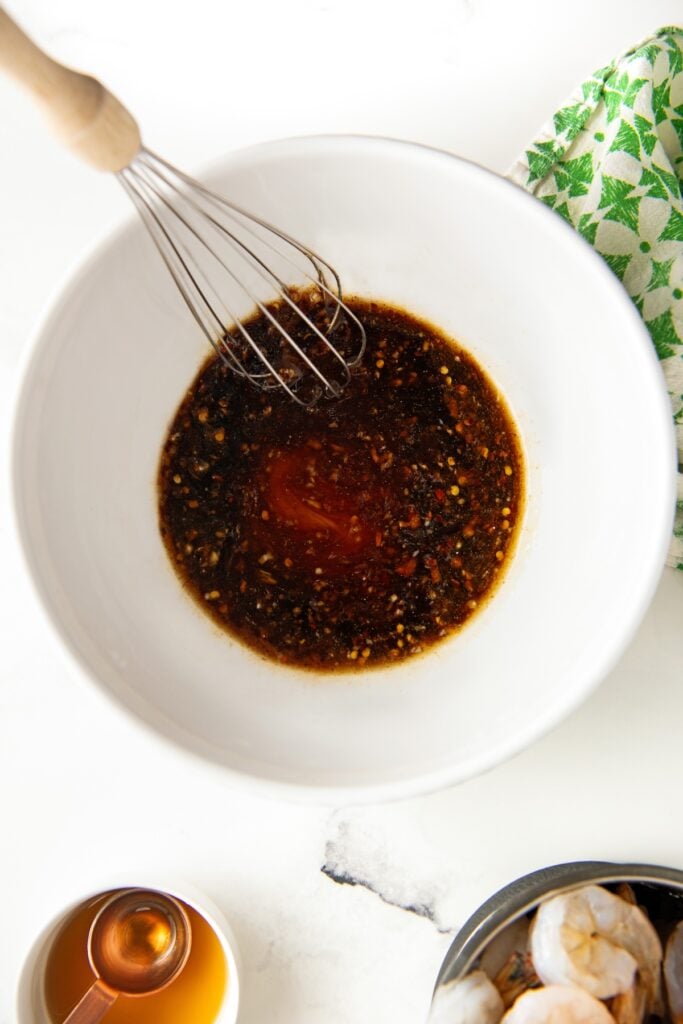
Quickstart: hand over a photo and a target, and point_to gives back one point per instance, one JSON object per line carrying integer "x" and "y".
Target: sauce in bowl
{"x": 356, "y": 532}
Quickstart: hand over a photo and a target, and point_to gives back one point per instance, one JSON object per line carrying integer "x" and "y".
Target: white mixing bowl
{"x": 554, "y": 328}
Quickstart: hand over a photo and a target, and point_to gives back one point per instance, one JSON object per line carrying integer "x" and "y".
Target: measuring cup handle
{"x": 94, "y": 1004}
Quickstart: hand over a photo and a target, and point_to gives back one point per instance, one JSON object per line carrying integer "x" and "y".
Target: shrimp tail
{"x": 630, "y": 1007}
{"x": 516, "y": 976}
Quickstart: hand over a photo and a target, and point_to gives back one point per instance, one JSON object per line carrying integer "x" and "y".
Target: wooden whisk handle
{"x": 85, "y": 115}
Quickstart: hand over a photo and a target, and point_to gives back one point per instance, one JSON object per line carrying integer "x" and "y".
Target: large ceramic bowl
{"x": 553, "y": 327}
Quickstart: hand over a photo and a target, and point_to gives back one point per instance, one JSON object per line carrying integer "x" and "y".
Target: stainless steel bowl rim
{"x": 522, "y": 895}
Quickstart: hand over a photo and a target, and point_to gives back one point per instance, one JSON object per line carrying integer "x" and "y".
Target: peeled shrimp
{"x": 597, "y": 941}
{"x": 630, "y": 1007}
{"x": 558, "y": 1004}
{"x": 507, "y": 961}
{"x": 514, "y": 938}
{"x": 515, "y": 977}
{"x": 473, "y": 999}
{"x": 673, "y": 973}
{"x": 626, "y": 892}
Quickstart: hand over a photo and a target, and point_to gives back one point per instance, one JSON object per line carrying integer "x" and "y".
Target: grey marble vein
{"x": 355, "y": 858}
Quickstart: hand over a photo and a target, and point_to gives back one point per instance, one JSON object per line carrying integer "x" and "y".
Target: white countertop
{"x": 474, "y": 76}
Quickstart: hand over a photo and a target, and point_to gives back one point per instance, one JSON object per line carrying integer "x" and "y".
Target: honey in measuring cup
{"x": 195, "y": 995}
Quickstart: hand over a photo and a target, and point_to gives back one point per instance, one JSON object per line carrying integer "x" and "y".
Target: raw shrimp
{"x": 558, "y": 1004}
{"x": 507, "y": 961}
{"x": 473, "y": 999}
{"x": 597, "y": 941}
{"x": 515, "y": 977}
{"x": 626, "y": 892}
{"x": 673, "y": 973}
{"x": 630, "y": 1007}
{"x": 514, "y": 938}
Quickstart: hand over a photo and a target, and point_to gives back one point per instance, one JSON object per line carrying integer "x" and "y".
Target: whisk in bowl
{"x": 225, "y": 261}
{"x": 219, "y": 255}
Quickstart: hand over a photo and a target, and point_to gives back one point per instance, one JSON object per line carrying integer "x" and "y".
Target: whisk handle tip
{"x": 84, "y": 114}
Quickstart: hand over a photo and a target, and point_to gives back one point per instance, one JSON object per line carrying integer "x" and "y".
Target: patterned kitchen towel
{"x": 611, "y": 163}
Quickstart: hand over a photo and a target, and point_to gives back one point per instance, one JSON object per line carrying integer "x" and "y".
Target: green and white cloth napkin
{"x": 611, "y": 163}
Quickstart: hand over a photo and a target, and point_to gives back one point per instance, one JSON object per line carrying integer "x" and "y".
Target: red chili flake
{"x": 434, "y": 571}
{"x": 407, "y": 568}
{"x": 412, "y": 520}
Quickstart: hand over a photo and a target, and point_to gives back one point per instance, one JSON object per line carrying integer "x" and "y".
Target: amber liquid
{"x": 194, "y": 996}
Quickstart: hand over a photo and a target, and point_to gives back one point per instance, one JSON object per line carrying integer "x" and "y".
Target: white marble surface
{"x": 84, "y": 793}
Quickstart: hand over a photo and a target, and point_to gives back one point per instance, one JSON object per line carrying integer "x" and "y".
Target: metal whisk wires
{"x": 227, "y": 262}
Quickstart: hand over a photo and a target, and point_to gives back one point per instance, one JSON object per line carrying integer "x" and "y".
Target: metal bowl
{"x": 524, "y": 894}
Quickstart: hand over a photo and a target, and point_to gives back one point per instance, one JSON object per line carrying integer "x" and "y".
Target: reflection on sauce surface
{"x": 194, "y": 995}
{"x": 354, "y": 533}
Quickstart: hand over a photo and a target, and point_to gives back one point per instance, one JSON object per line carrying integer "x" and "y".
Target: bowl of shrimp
{"x": 582, "y": 943}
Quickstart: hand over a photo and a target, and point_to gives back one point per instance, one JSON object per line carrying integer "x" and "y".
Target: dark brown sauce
{"x": 356, "y": 532}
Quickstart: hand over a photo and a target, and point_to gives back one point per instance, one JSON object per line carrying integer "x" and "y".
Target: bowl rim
{"x": 171, "y": 736}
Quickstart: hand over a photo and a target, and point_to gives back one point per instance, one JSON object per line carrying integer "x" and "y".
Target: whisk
{"x": 226, "y": 262}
